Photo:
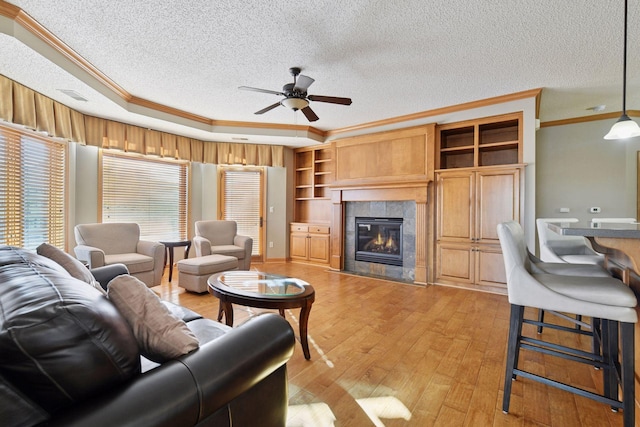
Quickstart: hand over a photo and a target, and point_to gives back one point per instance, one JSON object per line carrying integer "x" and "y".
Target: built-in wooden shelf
{"x": 491, "y": 141}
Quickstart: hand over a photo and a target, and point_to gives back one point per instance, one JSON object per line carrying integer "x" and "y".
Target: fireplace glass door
{"x": 379, "y": 240}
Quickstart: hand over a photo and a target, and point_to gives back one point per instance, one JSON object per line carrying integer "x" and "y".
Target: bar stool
{"x": 604, "y": 298}
{"x": 570, "y": 249}
{"x": 567, "y": 269}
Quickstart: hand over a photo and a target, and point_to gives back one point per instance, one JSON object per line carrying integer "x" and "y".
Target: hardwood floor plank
{"x": 406, "y": 355}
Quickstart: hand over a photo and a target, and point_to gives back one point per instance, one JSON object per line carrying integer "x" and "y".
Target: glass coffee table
{"x": 263, "y": 290}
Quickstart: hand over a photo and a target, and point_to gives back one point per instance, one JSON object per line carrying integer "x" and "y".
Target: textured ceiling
{"x": 391, "y": 57}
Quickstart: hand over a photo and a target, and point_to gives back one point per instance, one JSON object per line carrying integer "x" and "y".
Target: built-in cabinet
{"x": 309, "y": 243}
{"x": 478, "y": 185}
{"x": 309, "y": 234}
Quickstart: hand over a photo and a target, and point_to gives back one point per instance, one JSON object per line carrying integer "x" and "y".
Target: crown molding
{"x": 584, "y": 119}
{"x": 444, "y": 110}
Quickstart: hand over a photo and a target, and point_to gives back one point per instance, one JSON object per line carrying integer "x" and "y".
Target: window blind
{"x": 151, "y": 193}
{"x": 242, "y": 203}
{"x": 32, "y": 189}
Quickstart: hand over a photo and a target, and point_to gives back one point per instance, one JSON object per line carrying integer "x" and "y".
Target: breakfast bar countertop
{"x": 589, "y": 229}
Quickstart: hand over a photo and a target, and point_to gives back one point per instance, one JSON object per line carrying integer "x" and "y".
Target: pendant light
{"x": 624, "y": 127}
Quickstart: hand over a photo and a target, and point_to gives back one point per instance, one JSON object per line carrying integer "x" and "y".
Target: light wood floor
{"x": 391, "y": 354}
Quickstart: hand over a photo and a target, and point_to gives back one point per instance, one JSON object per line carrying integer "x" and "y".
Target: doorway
{"x": 241, "y": 191}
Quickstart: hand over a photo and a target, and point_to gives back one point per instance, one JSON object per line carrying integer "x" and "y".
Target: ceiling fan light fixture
{"x": 294, "y": 103}
{"x": 623, "y": 128}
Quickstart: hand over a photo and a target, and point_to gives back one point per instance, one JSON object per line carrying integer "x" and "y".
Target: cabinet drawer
{"x": 299, "y": 228}
{"x": 318, "y": 229}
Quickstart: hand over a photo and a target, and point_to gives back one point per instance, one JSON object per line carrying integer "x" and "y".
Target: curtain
{"x": 21, "y": 105}
{"x": 45, "y": 118}
{"x": 62, "y": 115}
{"x": 6, "y": 99}
{"x": 24, "y": 106}
{"x": 152, "y": 142}
{"x": 135, "y": 139}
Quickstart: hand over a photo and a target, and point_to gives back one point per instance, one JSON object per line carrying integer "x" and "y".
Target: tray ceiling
{"x": 391, "y": 58}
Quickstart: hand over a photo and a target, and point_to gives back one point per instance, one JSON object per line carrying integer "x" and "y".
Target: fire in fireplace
{"x": 379, "y": 240}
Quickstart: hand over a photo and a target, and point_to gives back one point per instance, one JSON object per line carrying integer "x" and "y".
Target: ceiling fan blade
{"x": 269, "y": 108}
{"x": 303, "y": 83}
{"x": 330, "y": 99}
{"x": 255, "y": 89}
{"x": 309, "y": 114}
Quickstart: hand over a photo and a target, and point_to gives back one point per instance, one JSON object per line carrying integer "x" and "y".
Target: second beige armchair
{"x": 221, "y": 238}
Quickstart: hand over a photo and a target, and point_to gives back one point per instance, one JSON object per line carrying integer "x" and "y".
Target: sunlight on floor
{"x": 312, "y": 342}
{"x": 384, "y": 407}
{"x": 320, "y": 415}
{"x": 311, "y": 415}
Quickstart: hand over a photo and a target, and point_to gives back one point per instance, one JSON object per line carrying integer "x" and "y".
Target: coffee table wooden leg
{"x": 227, "y": 309}
{"x": 228, "y": 313}
{"x": 304, "y": 319}
{"x": 220, "y": 310}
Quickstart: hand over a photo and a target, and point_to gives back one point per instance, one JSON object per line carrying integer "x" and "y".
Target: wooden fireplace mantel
{"x": 389, "y": 166}
{"x": 418, "y": 193}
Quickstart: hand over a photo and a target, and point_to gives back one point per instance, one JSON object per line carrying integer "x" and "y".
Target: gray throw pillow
{"x": 161, "y": 336}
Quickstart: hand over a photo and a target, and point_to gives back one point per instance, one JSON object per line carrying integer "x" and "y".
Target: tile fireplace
{"x": 380, "y": 239}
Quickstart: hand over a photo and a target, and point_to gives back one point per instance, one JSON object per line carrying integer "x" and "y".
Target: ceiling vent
{"x": 73, "y": 94}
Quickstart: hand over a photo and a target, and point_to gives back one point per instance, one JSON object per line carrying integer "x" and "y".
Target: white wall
{"x": 578, "y": 169}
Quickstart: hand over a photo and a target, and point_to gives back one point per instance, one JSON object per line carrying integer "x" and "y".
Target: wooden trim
{"x": 444, "y": 110}
{"x": 9, "y": 10}
{"x": 32, "y": 26}
{"x": 584, "y": 119}
{"x": 257, "y": 125}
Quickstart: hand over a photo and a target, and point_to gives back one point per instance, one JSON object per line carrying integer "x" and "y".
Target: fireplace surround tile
{"x": 385, "y": 209}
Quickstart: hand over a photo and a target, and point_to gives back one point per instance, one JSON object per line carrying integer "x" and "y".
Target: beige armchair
{"x": 221, "y": 238}
{"x": 119, "y": 243}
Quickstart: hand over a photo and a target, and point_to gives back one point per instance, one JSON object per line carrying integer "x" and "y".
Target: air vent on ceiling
{"x": 73, "y": 94}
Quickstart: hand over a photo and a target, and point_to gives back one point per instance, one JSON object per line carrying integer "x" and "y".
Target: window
{"x": 152, "y": 193}
{"x": 32, "y": 189}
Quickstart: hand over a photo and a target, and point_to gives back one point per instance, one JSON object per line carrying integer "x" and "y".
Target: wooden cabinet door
{"x": 455, "y": 216}
{"x": 490, "y": 270}
{"x": 454, "y": 262}
{"x": 319, "y": 248}
{"x": 498, "y": 200}
{"x": 298, "y": 246}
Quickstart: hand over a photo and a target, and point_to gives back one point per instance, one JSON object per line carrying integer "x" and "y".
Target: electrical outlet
{"x": 594, "y": 209}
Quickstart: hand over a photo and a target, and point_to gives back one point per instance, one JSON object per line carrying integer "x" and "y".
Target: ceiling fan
{"x": 296, "y": 97}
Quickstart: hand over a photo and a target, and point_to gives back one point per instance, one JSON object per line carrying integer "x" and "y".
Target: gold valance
{"x": 21, "y": 105}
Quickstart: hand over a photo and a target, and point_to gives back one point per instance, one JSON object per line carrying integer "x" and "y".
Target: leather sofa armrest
{"x": 90, "y": 254}
{"x": 108, "y": 272}
{"x": 202, "y": 245}
{"x": 242, "y": 359}
{"x": 207, "y": 380}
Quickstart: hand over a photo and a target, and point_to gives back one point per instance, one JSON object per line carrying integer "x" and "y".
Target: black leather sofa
{"x": 68, "y": 358}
